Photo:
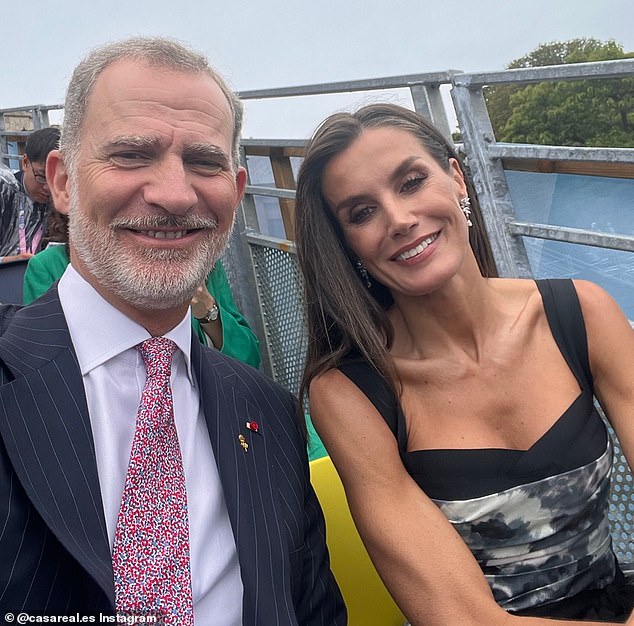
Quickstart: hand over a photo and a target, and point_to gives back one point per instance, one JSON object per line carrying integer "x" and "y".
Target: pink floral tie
{"x": 150, "y": 557}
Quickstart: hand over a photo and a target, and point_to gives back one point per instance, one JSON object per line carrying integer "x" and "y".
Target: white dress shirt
{"x": 114, "y": 375}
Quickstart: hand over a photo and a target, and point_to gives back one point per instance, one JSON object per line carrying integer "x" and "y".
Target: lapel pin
{"x": 243, "y": 442}
{"x": 254, "y": 426}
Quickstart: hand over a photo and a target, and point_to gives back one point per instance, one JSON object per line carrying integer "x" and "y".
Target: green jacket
{"x": 238, "y": 340}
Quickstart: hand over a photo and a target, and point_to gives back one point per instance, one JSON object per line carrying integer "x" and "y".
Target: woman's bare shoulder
{"x": 514, "y": 287}
{"x": 602, "y": 315}
{"x": 334, "y": 391}
{"x": 340, "y": 409}
{"x": 518, "y": 297}
{"x": 328, "y": 384}
{"x": 593, "y": 296}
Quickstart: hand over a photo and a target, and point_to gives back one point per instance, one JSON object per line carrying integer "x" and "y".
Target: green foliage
{"x": 573, "y": 51}
{"x": 576, "y": 113}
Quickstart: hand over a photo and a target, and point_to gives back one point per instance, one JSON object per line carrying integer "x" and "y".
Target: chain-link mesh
{"x": 621, "y": 505}
{"x": 229, "y": 264}
{"x": 621, "y": 511}
{"x": 280, "y": 294}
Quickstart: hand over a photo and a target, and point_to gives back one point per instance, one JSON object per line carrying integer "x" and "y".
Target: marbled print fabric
{"x": 542, "y": 541}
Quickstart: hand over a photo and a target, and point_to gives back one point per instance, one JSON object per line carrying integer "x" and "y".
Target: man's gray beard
{"x": 149, "y": 278}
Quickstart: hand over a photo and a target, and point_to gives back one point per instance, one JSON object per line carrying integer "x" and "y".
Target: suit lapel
{"x": 247, "y": 483}
{"x": 45, "y": 424}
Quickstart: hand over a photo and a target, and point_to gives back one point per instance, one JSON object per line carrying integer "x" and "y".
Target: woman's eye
{"x": 360, "y": 214}
{"x": 412, "y": 183}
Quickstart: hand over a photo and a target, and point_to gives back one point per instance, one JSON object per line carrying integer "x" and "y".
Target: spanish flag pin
{"x": 254, "y": 426}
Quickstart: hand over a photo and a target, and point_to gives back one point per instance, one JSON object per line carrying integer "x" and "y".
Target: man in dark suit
{"x": 149, "y": 173}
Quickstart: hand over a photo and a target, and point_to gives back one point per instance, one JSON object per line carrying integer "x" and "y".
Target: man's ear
{"x": 25, "y": 162}
{"x": 241, "y": 183}
{"x": 58, "y": 183}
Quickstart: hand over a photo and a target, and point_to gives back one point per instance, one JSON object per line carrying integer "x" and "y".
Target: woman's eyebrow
{"x": 403, "y": 167}
{"x": 399, "y": 171}
{"x": 350, "y": 201}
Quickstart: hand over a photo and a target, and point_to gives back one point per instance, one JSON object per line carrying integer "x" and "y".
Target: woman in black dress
{"x": 457, "y": 406}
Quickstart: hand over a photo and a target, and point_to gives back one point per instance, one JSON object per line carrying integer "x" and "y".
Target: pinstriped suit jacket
{"x": 54, "y": 552}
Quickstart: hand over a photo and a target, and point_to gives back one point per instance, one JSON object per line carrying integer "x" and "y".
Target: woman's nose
{"x": 401, "y": 220}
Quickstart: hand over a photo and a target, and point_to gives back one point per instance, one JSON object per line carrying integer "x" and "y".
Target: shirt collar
{"x": 100, "y": 331}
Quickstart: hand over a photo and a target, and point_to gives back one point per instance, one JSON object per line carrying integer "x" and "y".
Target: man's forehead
{"x": 130, "y": 90}
{"x": 129, "y": 73}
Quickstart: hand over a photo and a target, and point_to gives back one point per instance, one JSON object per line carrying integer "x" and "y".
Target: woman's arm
{"x": 424, "y": 563}
{"x": 201, "y": 304}
{"x": 231, "y": 334}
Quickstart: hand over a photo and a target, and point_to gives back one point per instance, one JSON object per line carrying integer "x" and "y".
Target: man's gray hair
{"x": 153, "y": 51}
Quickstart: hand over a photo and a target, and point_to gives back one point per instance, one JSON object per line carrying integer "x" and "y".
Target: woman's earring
{"x": 465, "y": 207}
{"x": 363, "y": 273}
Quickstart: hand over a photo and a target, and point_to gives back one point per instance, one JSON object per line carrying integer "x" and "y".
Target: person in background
{"x": 457, "y": 407}
{"x": 218, "y": 322}
{"x": 25, "y": 199}
{"x": 142, "y": 473}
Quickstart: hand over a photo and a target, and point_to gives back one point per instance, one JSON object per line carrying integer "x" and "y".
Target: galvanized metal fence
{"x": 486, "y": 159}
{"x": 272, "y": 289}
{"x": 263, "y": 269}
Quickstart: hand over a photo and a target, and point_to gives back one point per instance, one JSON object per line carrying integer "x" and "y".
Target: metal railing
{"x": 488, "y": 161}
{"x": 36, "y": 116}
{"x": 271, "y": 262}
{"x": 486, "y": 157}
{"x": 263, "y": 269}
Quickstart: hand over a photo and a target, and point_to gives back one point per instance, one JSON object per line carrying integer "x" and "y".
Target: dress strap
{"x": 565, "y": 318}
{"x": 378, "y": 391}
{"x": 375, "y": 388}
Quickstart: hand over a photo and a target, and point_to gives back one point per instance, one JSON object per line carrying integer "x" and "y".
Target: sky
{"x": 277, "y": 43}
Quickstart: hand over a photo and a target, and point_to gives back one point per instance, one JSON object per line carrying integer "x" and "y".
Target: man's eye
{"x": 129, "y": 157}
{"x": 207, "y": 168}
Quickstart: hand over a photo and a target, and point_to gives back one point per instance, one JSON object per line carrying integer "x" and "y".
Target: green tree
{"x": 566, "y": 113}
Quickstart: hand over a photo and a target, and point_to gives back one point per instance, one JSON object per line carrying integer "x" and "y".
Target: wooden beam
{"x": 284, "y": 179}
{"x": 271, "y": 151}
{"x": 585, "y": 168}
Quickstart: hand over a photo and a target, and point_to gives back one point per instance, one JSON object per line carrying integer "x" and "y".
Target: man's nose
{"x": 170, "y": 187}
